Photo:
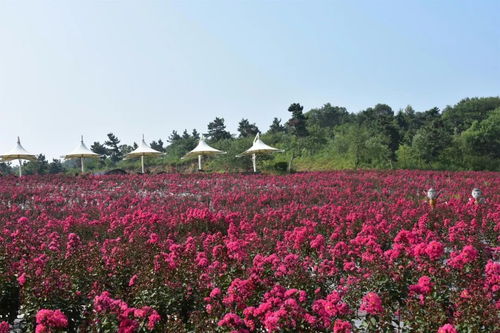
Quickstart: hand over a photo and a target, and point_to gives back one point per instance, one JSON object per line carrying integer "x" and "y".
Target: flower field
{"x": 350, "y": 251}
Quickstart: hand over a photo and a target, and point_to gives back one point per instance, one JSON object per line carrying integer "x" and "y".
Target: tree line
{"x": 465, "y": 136}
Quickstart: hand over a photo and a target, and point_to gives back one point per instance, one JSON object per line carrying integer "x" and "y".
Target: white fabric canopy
{"x": 81, "y": 151}
{"x": 18, "y": 153}
{"x": 143, "y": 150}
{"x": 259, "y": 147}
{"x": 203, "y": 149}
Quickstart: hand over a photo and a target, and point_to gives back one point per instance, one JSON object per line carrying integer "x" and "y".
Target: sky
{"x": 71, "y": 68}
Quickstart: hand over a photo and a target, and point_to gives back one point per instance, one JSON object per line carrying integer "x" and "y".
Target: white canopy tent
{"x": 143, "y": 150}
{"x": 18, "y": 153}
{"x": 81, "y": 152}
{"x": 203, "y": 149}
{"x": 259, "y": 147}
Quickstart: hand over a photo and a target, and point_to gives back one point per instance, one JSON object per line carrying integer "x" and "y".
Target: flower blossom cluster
{"x": 345, "y": 251}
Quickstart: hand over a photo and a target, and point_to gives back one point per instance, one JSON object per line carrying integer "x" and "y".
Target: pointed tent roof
{"x": 143, "y": 150}
{"x": 18, "y": 153}
{"x": 260, "y": 147}
{"x": 82, "y": 151}
{"x": 203, "y": 149}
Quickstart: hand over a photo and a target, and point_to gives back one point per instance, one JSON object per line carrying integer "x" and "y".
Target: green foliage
{"x": 217, "y": 130}
{"x": 430, "y": 141}
{"x": 113, "y": 148}
{"x": 361, "y": 147}
{"x": 465, "y": 136}
{"x": 180, "y": 145}
{"x": 246, "y": 129}
{"x": 461, "y": 116}
{"x": 55, "y": 167}
{"x": 157, "y": 145}
{"x": 408, "y": 158}
{"x": 5, "y": 168}
{"x": 297, "y": 124}
{"x": 229, "y": 162}
{"x": 40, "y": 166}
{"x": 100, "y": 149}
{"x": 480, "y": 143}
{"x": 276, "y": 127}
{"x": 380, "y": 121}
{"x": 327, "y": 116}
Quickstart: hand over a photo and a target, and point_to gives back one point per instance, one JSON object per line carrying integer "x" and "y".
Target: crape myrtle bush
{"x": 314, "y": 252}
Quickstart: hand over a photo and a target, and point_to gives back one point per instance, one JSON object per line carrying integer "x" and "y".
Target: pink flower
{"x": 153, "y": 238}
{"x": 492, "y": 271}
{"x": 434, "y": 250}
{"x": 424, "y": 286}
{"x": 4, "y": 327}
{"x": 459, "y": 259}
{"x": 372, "y": 304}
{"x": 128, "y": 326}
{"x": 132, "y": 281}
{"x": 22, "y": 219}
{"x": 50, "y": 319}
{"x": 231, "y": 320}
{"x": 448, "y": 328}
{"x": 318, "y": 243}
{"x": 153, "y": 319}
{"x": 342, "y": 326}
{"x": 22, "y": 279}
{"x": 216, "y": 292}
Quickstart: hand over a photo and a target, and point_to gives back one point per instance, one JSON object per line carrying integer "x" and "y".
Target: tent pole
{"x": 199, "y": 162}
{"x": 254, "y": 162}
{"x": 81, "y": 162}
{"x": 142, "y": 163}
{"x": 20, "y": 169}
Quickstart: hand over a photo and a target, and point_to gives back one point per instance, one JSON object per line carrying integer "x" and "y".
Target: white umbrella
{"x": 143, "y": 150}
{"x": 18, "y": 153}
{"x": 259, "y": 147}
{"x": 81, "y": 152}
{"x": 202, "y": 149}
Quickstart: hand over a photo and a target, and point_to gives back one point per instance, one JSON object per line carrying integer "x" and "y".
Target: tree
{"x": 185, "y": 135}
{"x": 157, "y": 145}
{"x": 276, "y": 127}
{"x": 327, "y": 116}
{"x": 115, "y": 153}
{"x": 483, "y": 138}
{"x": 380, "y": 121}
{"x": 461, "y": 116}
{"x": 480, "y": 143}
{"x": 361, "y": 147}
{"x": 174, "y": 137}
{"x": 217, "y": 130}
{"x": 297, "y": 123}
{"x": 55, "y": 167}
{"x": 246, "y": 129}
{"x": 5, "y": 168}
{"x": 40, "y": 166}
{"x": 180, "y": 145}
{"x": 431, "y": 140}
{"x": 100, "y": 149}
{"x": 125, "y": 149}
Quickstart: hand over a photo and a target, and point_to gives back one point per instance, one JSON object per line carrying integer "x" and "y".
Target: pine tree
{"x": 246, "y": 129}
{"x": 297, "y": 123}
{"x": 217, "y": 130}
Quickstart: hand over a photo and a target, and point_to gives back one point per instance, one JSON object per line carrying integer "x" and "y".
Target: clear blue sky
{"x": 131, "y": 67}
